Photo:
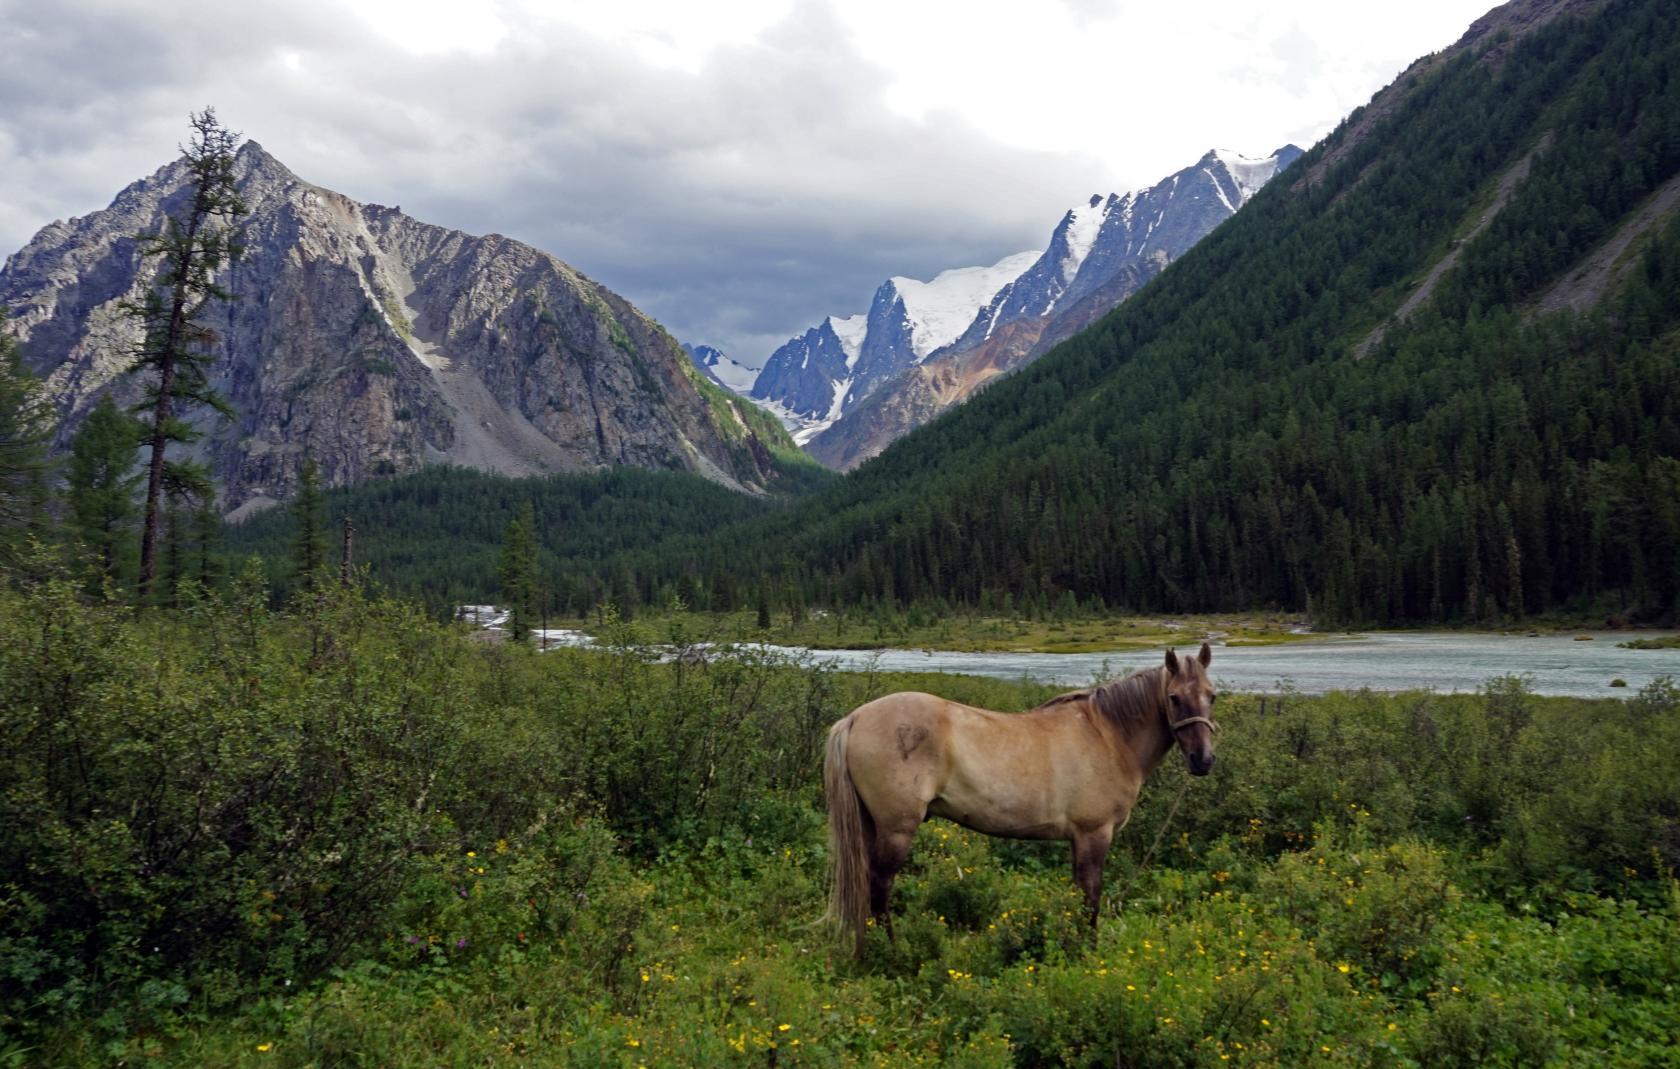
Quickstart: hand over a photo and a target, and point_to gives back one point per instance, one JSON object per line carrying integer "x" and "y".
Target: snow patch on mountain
{"x": 1085, "y": 222}
{"x": 723, "y": 369}
{"x": 850, "y": 330}
{"x": 840, "y": 389}
{"x": 940, "y": 310}
{"x": 1219, "y": 191}
{"x": 1249, "y": 173}
{"x": 800, "y": 427}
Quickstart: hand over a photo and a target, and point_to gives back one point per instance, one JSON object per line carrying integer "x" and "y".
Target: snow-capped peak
{"x": 942, "y": 309}
{"x": 850, "y": 330}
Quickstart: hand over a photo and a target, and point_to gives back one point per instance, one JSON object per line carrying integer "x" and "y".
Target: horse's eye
{"x": 1212, "y": 698}
{"x": 1174, "y": 698}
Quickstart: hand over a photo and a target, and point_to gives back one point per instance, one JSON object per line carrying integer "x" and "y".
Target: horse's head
{"x": 1189, "y": 709}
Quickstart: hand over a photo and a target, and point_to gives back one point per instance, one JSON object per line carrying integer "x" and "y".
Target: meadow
{"x": 342, "y": 834}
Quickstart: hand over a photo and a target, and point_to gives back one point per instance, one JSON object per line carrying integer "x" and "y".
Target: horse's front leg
{"x": 1090, "y": 850}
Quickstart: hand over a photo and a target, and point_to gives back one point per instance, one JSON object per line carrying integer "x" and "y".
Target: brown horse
{"x": 1070, "y": 769}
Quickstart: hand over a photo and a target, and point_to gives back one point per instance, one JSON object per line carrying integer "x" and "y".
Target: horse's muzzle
{"x": 1201, "y": 766}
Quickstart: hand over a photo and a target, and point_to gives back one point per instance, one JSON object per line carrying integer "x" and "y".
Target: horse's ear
{"x": 1172, "y": 662}
{"x": 1205, "y": 656}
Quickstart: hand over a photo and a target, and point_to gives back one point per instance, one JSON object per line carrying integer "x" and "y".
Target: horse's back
{"x": 1001, "y": 773}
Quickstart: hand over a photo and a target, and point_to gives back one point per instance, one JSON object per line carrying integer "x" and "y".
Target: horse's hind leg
{"x": 891, "y": 849}
{"x": 1090, "y": 850}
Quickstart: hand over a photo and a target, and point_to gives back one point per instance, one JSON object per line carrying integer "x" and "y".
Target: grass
{"x": 1663, "y": 642}
{"x": 1345, "y": 951}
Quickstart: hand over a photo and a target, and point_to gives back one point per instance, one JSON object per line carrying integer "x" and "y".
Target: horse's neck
{"x": 1146, "y": 736}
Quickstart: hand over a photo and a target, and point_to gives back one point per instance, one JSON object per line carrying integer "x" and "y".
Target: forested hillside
{"x": 1260, "y": 426}
{"x": 435, "y": 536}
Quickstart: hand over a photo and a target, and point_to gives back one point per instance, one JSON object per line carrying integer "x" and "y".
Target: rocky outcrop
{"x": 380, "y": 343}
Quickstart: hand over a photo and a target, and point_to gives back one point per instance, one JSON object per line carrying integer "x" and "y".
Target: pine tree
{"x": 175, "y": 346}
{"x": 309, "y": 537}
{"x": 518, "y": 572}
{"x": 207, "y": 538}
{"x": 101, "y": 487}
{"x": 25, "y": 425}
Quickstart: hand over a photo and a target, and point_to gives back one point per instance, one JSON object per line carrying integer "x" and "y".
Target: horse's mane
{"x": 1128, "y": 700}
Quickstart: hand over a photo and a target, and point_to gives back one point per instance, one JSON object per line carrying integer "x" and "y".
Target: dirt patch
{"x": 1508, "y": 183}
{"x": 1608, "y": 264}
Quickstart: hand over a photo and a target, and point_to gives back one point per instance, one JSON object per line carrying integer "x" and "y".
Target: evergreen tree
{"x": 101, "y": 487}
{"x": 518, "y": 572}
{"x": 25, "y": 425}
{"x": 309, "y": 528}
{"x": 174, "y": 352}
{"x": 763, "y": 605}
{"x": 186, "y": 491}
{"x": 207, "y": 540}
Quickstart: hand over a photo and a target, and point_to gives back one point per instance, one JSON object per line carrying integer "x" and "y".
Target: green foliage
{"x": 26, "y": 422}
{"x": 100, "y": 489}
{"x": 309, "y": 529}
{"x": 518, "y": 573}
{"x": 436, "y": 536}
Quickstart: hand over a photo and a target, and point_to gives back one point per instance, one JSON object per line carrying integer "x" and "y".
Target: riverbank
{"x": 1563, "y": 663}
{"x": 821, "y": 629}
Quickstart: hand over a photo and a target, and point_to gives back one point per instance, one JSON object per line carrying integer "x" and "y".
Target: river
{"x": 1385, "y": 661}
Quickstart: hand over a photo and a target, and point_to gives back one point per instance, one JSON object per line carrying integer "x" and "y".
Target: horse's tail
{"x": 848, "y": 858}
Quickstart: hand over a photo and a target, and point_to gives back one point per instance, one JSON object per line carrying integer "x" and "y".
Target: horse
{"x": 1069, "y": 769}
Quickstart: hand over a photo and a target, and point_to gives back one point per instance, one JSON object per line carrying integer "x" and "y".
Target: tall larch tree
{"x": 175, "y": 349}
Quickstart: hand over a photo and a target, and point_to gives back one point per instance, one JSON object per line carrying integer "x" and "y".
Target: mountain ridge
{"x": 381, "y": 343}
{"x": 1100, "y": 252}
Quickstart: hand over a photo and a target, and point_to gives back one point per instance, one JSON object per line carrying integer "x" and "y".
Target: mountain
{"x": 381, "y": 344}
{"x": 1100, "y": 253}
{"x": 719, "y": 368}
{"x": 1431, "y": 373}
{"x": 812, "y": 379}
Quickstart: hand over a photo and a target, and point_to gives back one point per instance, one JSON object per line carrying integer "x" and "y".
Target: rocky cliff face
{"x": 1100, "y": 253}
{"x": 380, "y": 343}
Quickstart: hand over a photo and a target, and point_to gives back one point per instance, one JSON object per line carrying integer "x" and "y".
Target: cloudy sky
{"x": 737, "y": 170}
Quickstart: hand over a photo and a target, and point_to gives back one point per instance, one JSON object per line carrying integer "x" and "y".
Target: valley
{"x": 1391, "y": 423}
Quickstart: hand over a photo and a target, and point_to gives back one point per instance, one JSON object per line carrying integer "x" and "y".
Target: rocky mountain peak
{"x": 380, "y": 343}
